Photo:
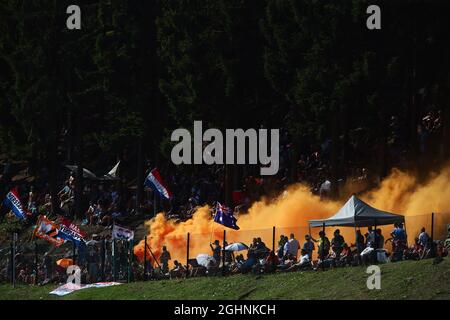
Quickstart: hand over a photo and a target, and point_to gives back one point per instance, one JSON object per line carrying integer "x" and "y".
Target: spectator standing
{"x": 164, "y": 259}
{"x": 423, "y": 238}
{"x": 293, "y": 246}
{"x": 48, "y": 266}
{"x": 309, "y": 246}
{"x": 324, "y": 245}
{"x": 281, "y": 244}
{"x": 216, "y": 249}
{"x": 337, "y": 243}
{"x": 359, "y": 241}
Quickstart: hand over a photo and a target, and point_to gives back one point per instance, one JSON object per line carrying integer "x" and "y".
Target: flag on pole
{"x": 12, "y": 201}
{"x": 48, "y": 230}
{"x": 71, "y": 232}
{"x": 154, "y": 182}
{"x": 224, "y": 216}
{"x": 122, "y": 233}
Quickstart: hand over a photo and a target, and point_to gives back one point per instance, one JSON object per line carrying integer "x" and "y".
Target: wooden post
{"x": 102, "y": 262}
{"x": 113, "y": 254}
{"x": 154, "y": 258}
{"x": 432, "y": 226}
{"x": 128, "y": 260}
{"x": 375, "y": 234}
{"x": 273, "y": 248}
{"x": 223, "y": 252}
{"x": 145, "y": 258}
{"x": 273, "y": 239}
{"x": 356, "y": 243}
{"x": 187, "y": 254}
{"x": 13, "y": 271}
{"x": 322, "y": 255}
{"x": 375, "y": 256}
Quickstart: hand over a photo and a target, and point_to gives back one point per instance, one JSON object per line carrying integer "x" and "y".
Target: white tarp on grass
{"x": 71, "y": 287}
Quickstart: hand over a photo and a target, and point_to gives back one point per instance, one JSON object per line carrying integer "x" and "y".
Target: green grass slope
{"x": 404, "y": 280}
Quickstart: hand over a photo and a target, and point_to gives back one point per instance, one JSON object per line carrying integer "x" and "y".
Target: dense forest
{"x": 137, "y": 70}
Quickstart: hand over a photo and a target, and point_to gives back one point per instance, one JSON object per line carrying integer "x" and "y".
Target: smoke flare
{"x": 400, "y": 193}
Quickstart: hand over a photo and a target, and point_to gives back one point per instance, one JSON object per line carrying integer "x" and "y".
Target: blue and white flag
{"x": 225, "y": 217}
{"x": 154, "y": 182}
{"x": 12, "y": 201}
{"x": 71, "y": 232}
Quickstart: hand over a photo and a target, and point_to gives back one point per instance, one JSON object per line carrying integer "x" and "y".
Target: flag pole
{"x": 145, "y": 258}
{"x": 187, "y": 254}
{"x": 212, "y": 229}
{"x": 113, "y": 254}
{"x": 223, "y": 252}
{"x": 154, "y": 204}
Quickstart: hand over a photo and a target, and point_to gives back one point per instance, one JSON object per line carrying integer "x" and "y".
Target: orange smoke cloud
{"x": 399, "y": 192}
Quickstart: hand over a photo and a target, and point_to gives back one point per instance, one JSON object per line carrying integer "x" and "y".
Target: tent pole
{"x": 356, "y": 243}
{"x": 432, "y": 226}
{"x": 375, "y": 236}
{"x": 376, "y": 243}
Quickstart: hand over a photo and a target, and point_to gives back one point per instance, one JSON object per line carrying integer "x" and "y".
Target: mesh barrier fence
{"x": 37, "y": 262}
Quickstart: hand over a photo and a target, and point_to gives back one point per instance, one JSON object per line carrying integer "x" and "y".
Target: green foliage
{"x": 137, "y": 70}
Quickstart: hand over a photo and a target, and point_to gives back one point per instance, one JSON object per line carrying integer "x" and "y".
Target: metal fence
{"x": 37, "y": 262}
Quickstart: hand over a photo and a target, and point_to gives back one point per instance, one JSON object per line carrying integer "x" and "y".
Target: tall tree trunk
{"x": 140, "y": 175}
{"x": 52, "y": 170}
{"x": 334, "y": 153}
{"x": 383, "y": 155}
{"x": 79, "y": 183}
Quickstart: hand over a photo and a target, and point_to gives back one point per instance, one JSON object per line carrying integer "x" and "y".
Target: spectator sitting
{"x": 415, "y": 251}
{"x": 248, "y": 264}
{"x": 271, "y": 262}
{"x": 228, "y": 255}
{"x": 303, "y": 263}
{"x": 261, "y": 250}
{"x": 177, "y": 271}
{"x": 287, "y": 262}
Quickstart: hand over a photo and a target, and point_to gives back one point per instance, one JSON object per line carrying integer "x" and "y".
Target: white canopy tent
{"x": 357, "y": 213}
{"x": 86, "y": 173}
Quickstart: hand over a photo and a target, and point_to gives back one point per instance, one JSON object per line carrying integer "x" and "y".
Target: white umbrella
{"x": 204, "y": 259}
{"x": 237, "y": 246}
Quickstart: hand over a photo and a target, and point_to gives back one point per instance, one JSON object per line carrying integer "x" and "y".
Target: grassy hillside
{"x": 404, "y": 280}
